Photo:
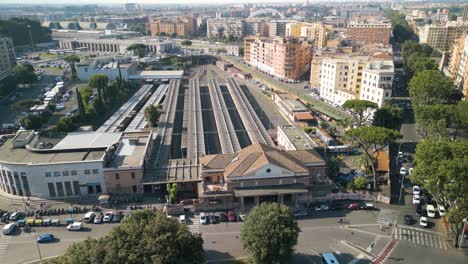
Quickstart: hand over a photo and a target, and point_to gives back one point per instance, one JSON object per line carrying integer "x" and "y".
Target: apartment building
{"x": 182, "y": 26}
{"x": 7, "y": 57}
{"x": 285, "y": 58}
{"x": 316, "y": 31}
{"x": 225, "y": 27}
{"x": 350, "y": 78}
{"x": 293, "y": 29}
{"x": 458, "y": 64}
{"x": 442, "y": 36}
{"x": 256, "y": 27}
{"x": 369, "y": 31}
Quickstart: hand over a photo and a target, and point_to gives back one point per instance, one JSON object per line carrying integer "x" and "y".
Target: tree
{"x": 371, "y": 140}
{"x": 412, "y": 47}
{"x": 432, "y": 120}
{"x": 455, "y": 217}
{"x": 388, "y": 116}
{"x": 24, "y": 73}
{"x": 152, "y": 114}
{"x": 172, "y": 190}
{"x": 269, "y": 234}
{"x": 7, "y": 85}
{"x": 418, "y": 62}
{"x": 186, "y": 43}
{"x": 138, "y": 49}
{"x": 24, "y": 104}
{"x": 17, "y": 29}
{"x": 360, "y": 183}
{"x": 333, "y": 168}
{"x": 31, "y": 122}
{"x": 143, "y": 237}
{"x": 99, "y": 81}
{"x": 80, "y": 103}
{"x": 138, "y": 27}
{"x": 72, "y": 59}
{"x": 430, "y": 87}
{"x": 65, "y": 124}
{"x": 361, "y": 110}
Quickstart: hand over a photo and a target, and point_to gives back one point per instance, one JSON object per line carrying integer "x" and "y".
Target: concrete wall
{"x": 124, "y": 181}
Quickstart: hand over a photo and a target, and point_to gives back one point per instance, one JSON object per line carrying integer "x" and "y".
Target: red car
{"x": 232, "y": 216}
{"x": 354, "y": 206}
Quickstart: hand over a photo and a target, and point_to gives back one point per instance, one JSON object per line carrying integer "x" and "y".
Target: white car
{"x": 442, "y": 210}
{"x": 108, "y": 217}
{"x": 203, "y": 219}
{"x": 400, "y": 154}
{"x": 76, "y": 226}
{"x": 59, "y": 107}
{"x": 416, "y": 199}
{"x": 431, "y": 211}
{"x": 402, "y": 171}
{"x": 423, "y": 221}
{"x": 416, "y": 190}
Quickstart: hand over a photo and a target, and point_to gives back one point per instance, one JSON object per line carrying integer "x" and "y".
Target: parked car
{"x": 98, "y": 218}
{"x": 108, "y": 217}
{"x": 416, "y": 199}
{"x": 204, "y": 220}
{"x": 368, "y": 206}
{"x": 8, "y": 229}
{"x": 76, "y": 226}
{"x": 408, "y": 220}
{"x": 89, "y": 217}
{"x": 354, "y": 206}
{"x": 182, "y": 219}
{"x": 322, "y": 207}
{"x": 214, "y": 219}
{"x": 232, "y": 216}
{"x": 223, "y": 217}
{"x": 117, "y": 217}
{"x": 15, "y": 216}
{"x": 416, "y": 190}
{"x": 442, "y": 210}
{"x": 402, "y": 171}
{"x": 423, "y": 221}
{"x": 431, "y": 211}
{"x": 44, "y": 238}
{"x": 300, "y": 213}
{"x": 59, "y": 107}
{"x": 419, "y": 209}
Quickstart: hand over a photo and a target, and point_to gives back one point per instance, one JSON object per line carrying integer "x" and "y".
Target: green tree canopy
{"x": 360, "y": 183}
{"x": 432, "y": 120}
{"x": 138, "y": 27}
{"x": 99, "y": 81}
{"x": 31, "y": 121}
{"x": 269, "y": 234}
{"x": 24, "y": 104}
{"x": 72, "y": 60}
{"x": 412, "y": 47}
{"x": 371, "y": 140}
{"x": 360, "y": 110}
{"x": 417, "y": 62}
{"x": 143, "y": 237}
{"x": 138, "y": 49}
{"x": 65, "y": 124}
{"x": 24, "y": 73}
{"x": 430, "y": 87}
{"x": 17, "y": 29}
{"x": 388, "y": 116}
{"x": 333, "y": 168}
{"x": 152, "y": 114}
{"x": 401, "y": 29}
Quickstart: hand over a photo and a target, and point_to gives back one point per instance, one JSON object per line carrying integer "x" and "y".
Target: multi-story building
{"x": 442, "y": 36}
{"x": 316, "y": 31}
{"x": 293, "y": 29}
{"x": 458, "y": 64}
{"x": 369, "y": 31}
{"x": 465, "y": 13}
{"x": 225, "y": 27}
{"x": 356, "y": 78}
{"x": 285, "y": 58}
{"x": 260, "y": 173}
{"x": 182, "y": 26}
{"x": 277, "y": 28}
{"x": 256, "y": 27}
{"x": 7, "y": 57}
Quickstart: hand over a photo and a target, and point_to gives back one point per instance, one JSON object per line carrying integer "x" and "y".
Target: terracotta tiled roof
{"x": 304, "y": 116}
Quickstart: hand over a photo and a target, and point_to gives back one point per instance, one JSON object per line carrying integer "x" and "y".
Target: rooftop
{"x": 297, "y": 138}
{"x": 131, "y": 150}
{"x": 158, "y": 75}
{"x": 88, "y": 140}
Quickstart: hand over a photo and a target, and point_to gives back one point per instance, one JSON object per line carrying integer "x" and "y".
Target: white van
{"x": 76, "y": 226}
{"x": 431, "y": 211}
{"x": 89, "y": 217}
{"x": 182, "y": 219}
{"x": 9, "y": 228}
{"x": 329, "y": 258}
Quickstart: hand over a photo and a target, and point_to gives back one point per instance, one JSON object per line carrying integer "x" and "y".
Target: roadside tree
{"x": 361, "y": 110}
{"x": 72, "y": 60}
{"x": 24, "y": 73}
{"x": 360, "y": 183}
{"x": 99, "y": 81}
{"x": 388, "y": 116}
{"x": 24, "y": 104}
{"x": 138, "y": 49}
{"x": 65, "y": 124}
{"x": 269, "y": 234}
{"x": 430, "y": 87}
{"x": 371, "y": 140}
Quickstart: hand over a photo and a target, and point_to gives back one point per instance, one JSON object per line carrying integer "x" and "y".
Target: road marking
{"x": 357, "y": 259}
{"x": 315, "y": 252}
{"x": 336, "y": 250}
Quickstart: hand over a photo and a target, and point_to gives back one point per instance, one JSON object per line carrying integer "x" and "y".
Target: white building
{"x": 71, "y": 168}
{"x": 225, "y": 27}
{"x": 377, "y": 80}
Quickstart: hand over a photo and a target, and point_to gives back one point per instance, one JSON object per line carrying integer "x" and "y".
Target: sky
{"x": 142, "y": 1}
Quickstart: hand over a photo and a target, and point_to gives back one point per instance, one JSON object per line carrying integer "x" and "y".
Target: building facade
{"x": 442, "y": 36}
{"x": 182, "y": 26}
{"x": 458, "y": 64}
{"x": 286, "y": 58}
{"x": 225, "y": 27}
{"x": 316, "y": 31}
{"x": 369, "y": 31}
{"x": 7, "y": 57}
{"x": 156, "y": 46}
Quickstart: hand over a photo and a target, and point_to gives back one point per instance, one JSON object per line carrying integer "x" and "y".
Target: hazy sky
{"x": 144, "y": 1}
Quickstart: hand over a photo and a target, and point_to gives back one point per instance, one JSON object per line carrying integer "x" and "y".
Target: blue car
{"x": 44, "y": 238}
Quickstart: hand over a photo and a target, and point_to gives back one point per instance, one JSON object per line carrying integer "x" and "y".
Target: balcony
{"x": 215, "y": 189}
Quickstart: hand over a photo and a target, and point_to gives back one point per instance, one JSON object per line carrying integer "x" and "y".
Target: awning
{"x": 303, "y": 116}
{"x": 262, "y": 191}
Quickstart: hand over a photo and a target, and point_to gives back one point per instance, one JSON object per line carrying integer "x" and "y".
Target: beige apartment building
{"x": 225, "y": 27}
{"x": 458, "y": 64}
{"x": 183, "y": 26}
{"x": 442, "y": 36}
{"x": 7, "y": 57}
{"x": 316, "y": 31}
{"x": 286, "y": 58}
{"x": 369, "y": 31}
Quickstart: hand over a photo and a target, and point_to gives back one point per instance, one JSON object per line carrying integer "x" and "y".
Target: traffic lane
{"x": 23, "y": 242}
{"x": 406, "y": 252}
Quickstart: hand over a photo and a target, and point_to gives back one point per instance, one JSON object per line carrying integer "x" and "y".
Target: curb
{"x": 359, "y": 248}
{"x": 383, "y": 255}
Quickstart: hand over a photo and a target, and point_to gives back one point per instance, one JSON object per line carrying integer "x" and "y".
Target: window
{"x": 268, "y": 170}
{"x": 48, "y": 174}
{"x": 60, "y": 189}
{"x": 73, "y": 172}
{"x": 117, "y": 176}
{"x": 98, "y": 189}
{"x": 133, "y": 175}
{"x": 134, "y": 188}
{"x": 76, "y": 187}
{"x": 51, "y": 189}
{"x": 65, "y": 173}
{"x": 95, "y": 171}
{"x": 68, "y": 189}
{"x": 57, "y": 174}
{"x": 87, "y": 172}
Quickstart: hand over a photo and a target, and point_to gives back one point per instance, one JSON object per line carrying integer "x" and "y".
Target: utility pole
{"x": 37, "y": 244}
{"x": 30, "y": 37}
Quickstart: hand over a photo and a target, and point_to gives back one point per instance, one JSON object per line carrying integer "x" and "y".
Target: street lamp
{"x": 30, "y": 37}
{"x": 37, "y": 244}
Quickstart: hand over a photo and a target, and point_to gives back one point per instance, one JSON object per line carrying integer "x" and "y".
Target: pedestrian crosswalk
{"x": 4, "y": 240}
{"x": 387, "y": 216}
{"x": 421, "y": 237}
{"x": 194, "y": 226}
